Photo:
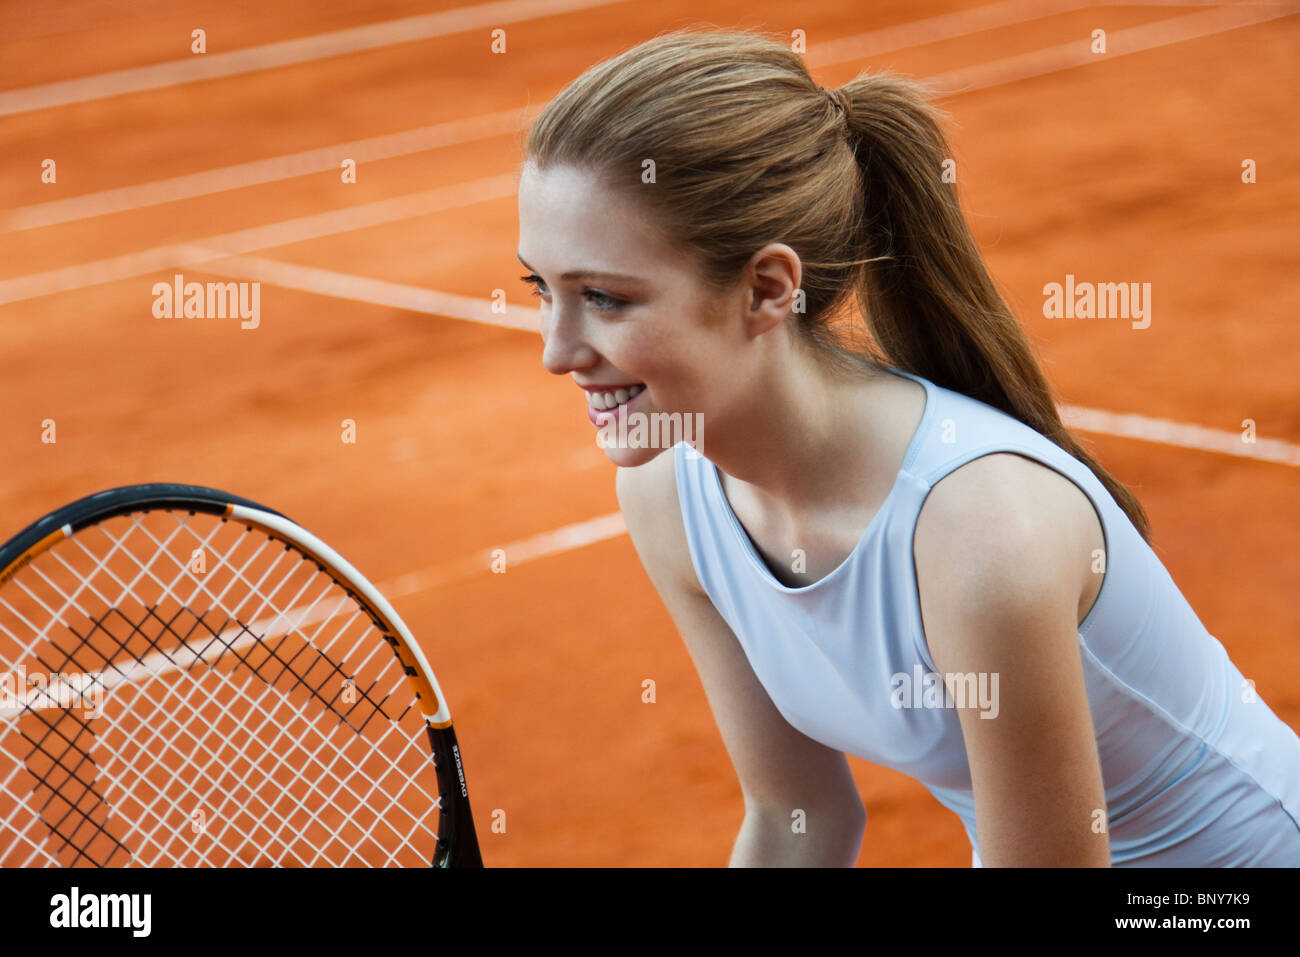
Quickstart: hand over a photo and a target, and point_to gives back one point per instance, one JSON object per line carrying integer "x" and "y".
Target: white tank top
{"x": 1198, "y": 771}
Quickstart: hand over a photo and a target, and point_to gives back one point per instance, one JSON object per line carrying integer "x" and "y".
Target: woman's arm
{"x": 1003, "y": 549}
{"x": 781, "y": 770}
{"x": 825, "y": 839}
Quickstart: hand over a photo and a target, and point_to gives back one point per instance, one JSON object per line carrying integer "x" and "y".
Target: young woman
{"x": 896, "y": 552}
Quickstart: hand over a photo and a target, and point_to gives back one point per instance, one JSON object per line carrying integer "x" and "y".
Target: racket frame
{"x": 457, "y": 839}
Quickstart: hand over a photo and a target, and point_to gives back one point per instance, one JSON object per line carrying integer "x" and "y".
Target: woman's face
{"x": 624, "y": 310}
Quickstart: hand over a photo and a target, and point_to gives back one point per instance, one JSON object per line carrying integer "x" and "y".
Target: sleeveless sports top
{"x": 1198, "y": 771}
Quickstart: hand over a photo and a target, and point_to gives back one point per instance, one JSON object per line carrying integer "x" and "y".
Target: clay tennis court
{"x": 376, "y": 307}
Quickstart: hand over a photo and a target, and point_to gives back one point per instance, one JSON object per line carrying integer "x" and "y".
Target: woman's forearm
{"x": 821, "y": 840}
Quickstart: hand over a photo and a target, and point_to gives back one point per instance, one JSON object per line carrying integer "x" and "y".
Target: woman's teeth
{"x": 609, "y": 400}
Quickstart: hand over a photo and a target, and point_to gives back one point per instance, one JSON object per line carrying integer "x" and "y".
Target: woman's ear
{"x": 772, "y": 278}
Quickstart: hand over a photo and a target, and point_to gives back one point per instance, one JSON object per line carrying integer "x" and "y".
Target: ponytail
{"x": 929, "y": 303}
{"x": 747, "y": 149}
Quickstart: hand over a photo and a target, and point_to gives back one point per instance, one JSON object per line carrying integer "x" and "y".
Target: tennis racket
{"x": 188, "y": 678}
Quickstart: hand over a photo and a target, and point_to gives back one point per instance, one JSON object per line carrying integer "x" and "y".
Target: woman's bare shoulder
{"x": 1003, "y": 487}
{"x": 1002, "y": 516}
{"x": 647, "y": 496}
{"x": 1008, "y": 505}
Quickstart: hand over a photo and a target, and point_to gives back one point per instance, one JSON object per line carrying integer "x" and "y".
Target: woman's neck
{"x": 812, "y": 441}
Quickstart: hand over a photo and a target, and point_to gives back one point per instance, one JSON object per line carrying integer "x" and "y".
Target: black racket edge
{"x": 457, "y": 839}
{"x": 458, "y": 847}
{"x": 116, "y": 501}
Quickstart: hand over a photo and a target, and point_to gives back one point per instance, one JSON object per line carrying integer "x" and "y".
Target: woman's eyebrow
{"x": 590, "y": 274}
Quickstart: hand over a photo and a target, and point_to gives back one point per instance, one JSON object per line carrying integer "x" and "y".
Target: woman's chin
{"x": 630, "y": 439}
{"x": 628, "y": 456}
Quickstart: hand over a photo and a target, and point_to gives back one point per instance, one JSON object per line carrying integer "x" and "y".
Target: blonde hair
{"x": 747, "y": 150}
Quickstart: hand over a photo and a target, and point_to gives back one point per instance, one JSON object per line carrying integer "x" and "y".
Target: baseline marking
{"x": 376, "y": 292}
{"x": 1162, "y": 33}
{"x": 455, "y": 132}
{"x": 580, "y": 534}
{"x": 296, "y": 230}
{"x": 1181, "y": 434}
{"x": 285, "y": 53}
{"x": 1150, "y": 36}
{"x": 270, "y": 170}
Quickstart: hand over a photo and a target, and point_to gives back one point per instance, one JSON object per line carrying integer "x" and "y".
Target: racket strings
{"x": 306, "y": 613}
{"x": 169, "y": 626}
{"x": 63, "y": 790}
{"x": 283, "y": 721}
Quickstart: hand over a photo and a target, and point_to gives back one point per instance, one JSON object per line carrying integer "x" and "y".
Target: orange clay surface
{"x": 1124, "y": 169}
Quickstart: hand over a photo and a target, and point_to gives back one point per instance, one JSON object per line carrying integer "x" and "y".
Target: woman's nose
{"x": 565, "y": 349}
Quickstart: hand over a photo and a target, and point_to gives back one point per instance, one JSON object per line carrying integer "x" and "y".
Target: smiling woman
{"x": 708, "y": 231}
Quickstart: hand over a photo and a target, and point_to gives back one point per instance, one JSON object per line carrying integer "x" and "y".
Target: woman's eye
{"x": 602, "y": 301}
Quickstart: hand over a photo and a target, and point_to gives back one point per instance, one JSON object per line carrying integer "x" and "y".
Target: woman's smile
{"x": 606, "y": 402}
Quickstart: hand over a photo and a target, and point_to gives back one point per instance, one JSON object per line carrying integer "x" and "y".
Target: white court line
{"x": 948, "y": 26}
{"x": 454, "y": 132}
{"x": 580, "y": 534}
{"x": 1180, "y": 434}
{"x": 357, "y": 288}
{"x": 213, "y": 651}
{"x": 210, "y": 651}
{"x": 270, "y": 170}
{"x": 378, "y": 292}
{"x": 577, "y": 535}
{"x": 1133, "y": 40}
{"x": 612, "y": 525}
{"x": 1190, "y": 26}
{"x": 209, "y": 66}
{"x": 301, "y": 229}
{"x": 555, "y": 542}
{"x": 1202, "y": 3}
